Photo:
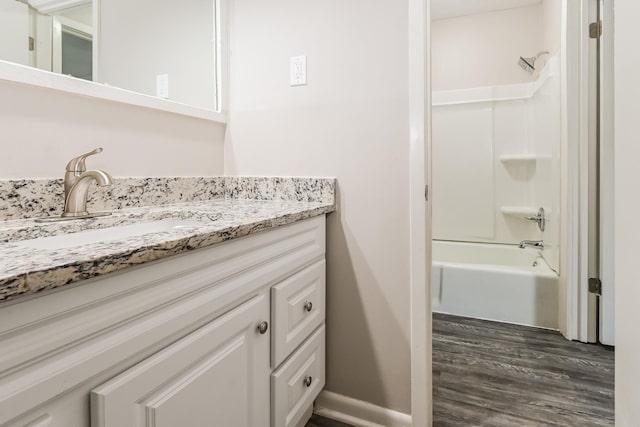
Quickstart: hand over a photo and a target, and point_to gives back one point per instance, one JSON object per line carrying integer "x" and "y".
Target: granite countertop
{"x": 27, "y": 270}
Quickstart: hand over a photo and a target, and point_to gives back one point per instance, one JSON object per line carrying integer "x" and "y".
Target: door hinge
{"x": 32, "y": 44}
{"x": 595, "y": 30}
{"x": 426, "y": 193}
{"x": 595, "y": 286}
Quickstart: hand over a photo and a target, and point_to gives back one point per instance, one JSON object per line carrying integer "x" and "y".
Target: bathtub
{"x": 494, "y": 282}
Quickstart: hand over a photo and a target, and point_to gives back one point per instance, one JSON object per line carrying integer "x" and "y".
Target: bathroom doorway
{"x": 521, "y": 228}
{"x": 497, "y": 135}
{"x": 72, "y": 42}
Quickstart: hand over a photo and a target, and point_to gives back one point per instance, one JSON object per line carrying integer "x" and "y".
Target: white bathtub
{"x": 494, "y": 282}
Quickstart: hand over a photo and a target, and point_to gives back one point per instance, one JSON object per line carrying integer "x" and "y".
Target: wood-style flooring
{"x": 496, "y": 374}
{"x": 318, "y": 421}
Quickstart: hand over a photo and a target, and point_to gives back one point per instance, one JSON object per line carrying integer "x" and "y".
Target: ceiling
{"x": 443, "y": 9}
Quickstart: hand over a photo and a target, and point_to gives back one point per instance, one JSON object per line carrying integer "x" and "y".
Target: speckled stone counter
{"x": 45, "y": 197}
{"x": 228, "y": 208}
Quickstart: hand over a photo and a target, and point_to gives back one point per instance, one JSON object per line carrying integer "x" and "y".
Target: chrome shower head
{"x": 529, "y": 64}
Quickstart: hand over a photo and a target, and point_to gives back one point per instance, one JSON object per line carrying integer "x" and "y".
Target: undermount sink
{"x": 108, "y": 234}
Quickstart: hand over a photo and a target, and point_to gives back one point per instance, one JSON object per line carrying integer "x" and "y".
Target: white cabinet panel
{"x": 296, "y": 384}
{"x": 219, "y": 373}
{"x": 298, "y": 308}
{"x": 170, "y": 343}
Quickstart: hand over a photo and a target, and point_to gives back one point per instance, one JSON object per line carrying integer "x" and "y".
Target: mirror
{"x": 161, "y": 48}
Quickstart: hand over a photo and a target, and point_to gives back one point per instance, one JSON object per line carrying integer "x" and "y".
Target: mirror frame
{"x": 23, "y": 74}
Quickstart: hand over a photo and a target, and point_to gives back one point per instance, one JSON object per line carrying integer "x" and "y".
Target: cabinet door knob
{"x": 263, "y": 327}
{"x": 308, "y": 306}
{"x": 307, "y": 381}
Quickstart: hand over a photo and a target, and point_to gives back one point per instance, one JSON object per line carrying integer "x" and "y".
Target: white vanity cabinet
{"x": 219, "y": 374}
{"x": 231, "y": 335}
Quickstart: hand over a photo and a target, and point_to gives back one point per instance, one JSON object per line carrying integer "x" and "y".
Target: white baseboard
{"x": 358, "y": 413}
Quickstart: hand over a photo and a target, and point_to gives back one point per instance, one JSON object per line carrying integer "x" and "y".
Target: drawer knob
{"x": 307, "y": 381}
{"x": 308, "y": 306}
{"x": 263, "y": 327}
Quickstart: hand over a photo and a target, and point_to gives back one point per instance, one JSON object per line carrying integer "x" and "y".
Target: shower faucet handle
{"x": 539, "y": 218}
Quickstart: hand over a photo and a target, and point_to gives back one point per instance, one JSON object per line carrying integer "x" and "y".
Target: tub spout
{"x": 537, "y": 244}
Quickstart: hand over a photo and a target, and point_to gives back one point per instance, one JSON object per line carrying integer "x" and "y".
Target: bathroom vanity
{"x": 228, "y": 330}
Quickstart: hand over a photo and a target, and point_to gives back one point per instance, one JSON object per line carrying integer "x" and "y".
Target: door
{"x": 72, "y": 48}
{"x": 217, "y": 375}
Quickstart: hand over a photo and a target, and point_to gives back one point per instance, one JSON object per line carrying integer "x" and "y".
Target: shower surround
{"x": 488, "y": 177}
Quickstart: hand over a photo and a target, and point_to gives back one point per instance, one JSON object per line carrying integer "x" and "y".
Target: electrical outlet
{"x": 162, "y": 86}
{"x": 298, "y": 71}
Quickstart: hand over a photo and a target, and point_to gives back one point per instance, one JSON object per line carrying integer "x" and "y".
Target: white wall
{"x": 468, "y": 174}
{"x": 463, "y": 172}
{"x": 483, "y": 50}
{"x": 552, "y": 25}
{"x": 82, "y": 14}
{"x": 627, "y": 205}
{"x": 43, "y": 129}
{"x": 14, "y": 22}
{"x": 351, "y": 122}
{"x": 471, "y": 184}
{"x": 139, "y": 40}
{"x": 442, "y": 9}
{"x": 546, "y": 133}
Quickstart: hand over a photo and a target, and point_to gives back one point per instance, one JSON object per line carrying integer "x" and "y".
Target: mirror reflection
{"x": 154, "y": 47}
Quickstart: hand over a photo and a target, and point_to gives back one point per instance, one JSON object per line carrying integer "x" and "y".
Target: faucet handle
{"x": 539, "y": 218}
{"x": 77, "y": 166}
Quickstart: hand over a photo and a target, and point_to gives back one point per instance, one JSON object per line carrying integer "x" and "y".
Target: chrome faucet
{"x": 76, "y": 186}
{"x": 537, "y": 244}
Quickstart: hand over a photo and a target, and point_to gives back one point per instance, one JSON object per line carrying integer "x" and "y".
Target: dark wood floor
{"x": 317, "y": 421}
{"x": 495, "y": 374}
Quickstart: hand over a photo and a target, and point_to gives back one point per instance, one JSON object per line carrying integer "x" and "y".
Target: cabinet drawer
{"x": 298, "y": 308}
{"x": 296, "y": 384}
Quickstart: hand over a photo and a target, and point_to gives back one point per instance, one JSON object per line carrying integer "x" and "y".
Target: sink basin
{"x": 109, "y": 234}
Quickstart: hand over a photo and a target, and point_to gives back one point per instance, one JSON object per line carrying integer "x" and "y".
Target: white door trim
{"x": 577, "y": 306}
{"x": 420, "y": 210}
{"x": 607, "y": 183}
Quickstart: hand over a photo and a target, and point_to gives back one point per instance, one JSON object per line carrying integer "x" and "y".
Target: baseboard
{"x": 358, "y": 413}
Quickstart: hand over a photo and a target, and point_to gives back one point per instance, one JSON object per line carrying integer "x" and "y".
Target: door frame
{"x": 577, "y": 306}
{"x": 420, "y": 209}
{"x": 575, "y": 301}
{"x": 607, "y": 181}
{"x": 58, "y": 25}
{"x": 582, "y": 106}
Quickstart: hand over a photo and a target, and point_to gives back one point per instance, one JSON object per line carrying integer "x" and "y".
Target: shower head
{"x": 529, "y": 64}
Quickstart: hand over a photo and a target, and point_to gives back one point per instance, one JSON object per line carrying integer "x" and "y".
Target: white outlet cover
{"x": 298, "y": 70}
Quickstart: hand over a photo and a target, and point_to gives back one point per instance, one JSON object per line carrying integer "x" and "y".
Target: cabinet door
{"x": 216, "y": 376}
